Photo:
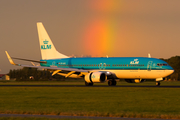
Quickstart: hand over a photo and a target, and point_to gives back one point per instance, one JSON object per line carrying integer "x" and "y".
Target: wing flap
{"x": 56, "y": 68}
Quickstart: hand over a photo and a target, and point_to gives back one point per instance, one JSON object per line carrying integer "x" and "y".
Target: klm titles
{"x": 45, "y": 46}
{"x": 135, "y": 61}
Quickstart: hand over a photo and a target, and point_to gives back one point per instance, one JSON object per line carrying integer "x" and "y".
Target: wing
{"x": 55, "y": 70}
{"x": 67, "y": 72}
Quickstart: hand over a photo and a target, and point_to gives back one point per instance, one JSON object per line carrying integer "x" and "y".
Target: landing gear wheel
{"x": 112, "y": 83}
{"x": 88, "y": 84}
{"x": 158, "y": 83}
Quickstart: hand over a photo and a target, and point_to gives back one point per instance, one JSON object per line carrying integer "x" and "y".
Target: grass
{"x": 92, "y": 101}
{"x": 29, "y": 118}
{"x": 42, "y": 118}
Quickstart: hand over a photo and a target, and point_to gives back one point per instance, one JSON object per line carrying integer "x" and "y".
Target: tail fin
{"x": 48, "y": 51}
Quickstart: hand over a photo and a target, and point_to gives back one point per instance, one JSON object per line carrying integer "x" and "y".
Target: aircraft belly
{"x": 145, "y": 74}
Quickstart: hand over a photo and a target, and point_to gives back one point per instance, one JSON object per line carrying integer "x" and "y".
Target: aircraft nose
{"x": 171, "y": 70}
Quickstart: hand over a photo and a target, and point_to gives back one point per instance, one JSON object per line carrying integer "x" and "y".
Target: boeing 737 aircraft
{"x": 97, "y": 70}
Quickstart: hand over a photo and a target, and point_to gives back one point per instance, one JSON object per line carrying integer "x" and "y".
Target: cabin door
{"x": 149, "y": 65}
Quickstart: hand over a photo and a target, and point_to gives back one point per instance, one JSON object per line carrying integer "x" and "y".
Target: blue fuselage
{"x": 112, "y": 63}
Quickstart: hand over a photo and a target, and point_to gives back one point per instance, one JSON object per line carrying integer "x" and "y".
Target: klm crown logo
{"x": 45, "y": 42}
{"x": 45, "y": 46}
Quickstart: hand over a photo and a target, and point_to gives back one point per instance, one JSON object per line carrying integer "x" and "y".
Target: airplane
{"x": 97, "y": 69}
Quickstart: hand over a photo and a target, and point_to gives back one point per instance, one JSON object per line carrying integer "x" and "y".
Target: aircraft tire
{"x": 158, "y": 83}
{"x": 112, "y": 83}
{"x": 91, "y": 84}
{"x": 88, "y": 84}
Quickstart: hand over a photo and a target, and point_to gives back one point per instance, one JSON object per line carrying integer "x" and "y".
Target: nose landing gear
{"x": 158, "y": 83}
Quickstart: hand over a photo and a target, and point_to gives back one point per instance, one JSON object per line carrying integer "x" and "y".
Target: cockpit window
{"x": 159, "y": 64}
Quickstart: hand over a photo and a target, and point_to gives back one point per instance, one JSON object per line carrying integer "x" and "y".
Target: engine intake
{"x": 95, "y": 77}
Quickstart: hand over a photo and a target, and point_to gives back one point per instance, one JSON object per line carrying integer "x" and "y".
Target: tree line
{"x": 33, "y": 74}
{"x": 26, "y": 73}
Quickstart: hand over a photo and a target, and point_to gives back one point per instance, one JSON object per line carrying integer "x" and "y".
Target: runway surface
{"x": 76, "y": 117}
{"x": 88, "y": 86}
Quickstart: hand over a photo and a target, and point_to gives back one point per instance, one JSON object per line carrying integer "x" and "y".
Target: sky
{"x": 97, "y": 28}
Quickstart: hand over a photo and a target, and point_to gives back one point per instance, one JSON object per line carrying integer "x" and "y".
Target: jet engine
{"x": 95, "y": 77}
{"x": 134, "y": 80}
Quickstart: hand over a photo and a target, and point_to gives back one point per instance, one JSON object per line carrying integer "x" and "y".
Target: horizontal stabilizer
{"x": 29, "y": 60}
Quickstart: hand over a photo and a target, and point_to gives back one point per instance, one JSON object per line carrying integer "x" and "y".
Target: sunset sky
{"x": 117, "y": 28}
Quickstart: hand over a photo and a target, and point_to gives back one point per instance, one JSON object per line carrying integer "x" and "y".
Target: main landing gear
{"x": 88, "y": 84}
{"x": 112, "y": 82}
{"x": 158, "y": 83}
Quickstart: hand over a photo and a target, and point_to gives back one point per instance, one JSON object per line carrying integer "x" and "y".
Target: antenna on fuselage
{"x": 149, "y": 56}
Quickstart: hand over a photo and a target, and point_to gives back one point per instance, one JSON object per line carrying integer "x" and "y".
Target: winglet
{"x": 10, "y": 60}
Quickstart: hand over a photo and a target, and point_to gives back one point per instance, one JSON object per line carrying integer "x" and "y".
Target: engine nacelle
{"x": 134, "y": 80}
{"x": 95, "y": 77}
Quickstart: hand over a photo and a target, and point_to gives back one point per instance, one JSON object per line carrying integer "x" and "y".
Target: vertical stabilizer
{"x": 48, "y": 51}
